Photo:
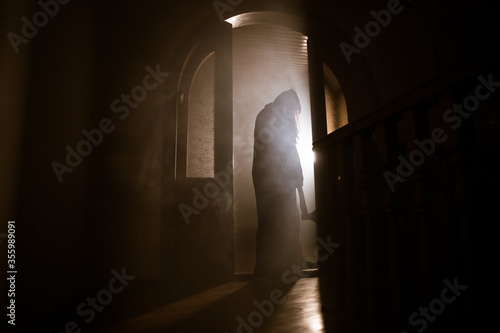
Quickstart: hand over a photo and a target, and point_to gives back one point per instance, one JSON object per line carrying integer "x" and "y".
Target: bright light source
{"x": 234, "y": 20}
{"x": 271, "y": 18}
{"x": 306, "y": 154}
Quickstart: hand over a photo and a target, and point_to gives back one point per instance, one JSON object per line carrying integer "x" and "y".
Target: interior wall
{"x": 14, "y": 69}
{"x": 51, "y": 227}
{"x": 13, "y": 85}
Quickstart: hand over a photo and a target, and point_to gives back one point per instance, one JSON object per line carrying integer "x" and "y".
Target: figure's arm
{"x": 303, "y": 206}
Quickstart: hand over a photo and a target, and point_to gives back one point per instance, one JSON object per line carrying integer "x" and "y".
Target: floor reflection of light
{"x": 181, "y": 309}
{"x": 315, "y": 323}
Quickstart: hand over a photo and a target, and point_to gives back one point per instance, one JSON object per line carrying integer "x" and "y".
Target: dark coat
{"x": 276, "y": 174}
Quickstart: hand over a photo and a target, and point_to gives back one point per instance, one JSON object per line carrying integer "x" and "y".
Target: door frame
{"x": 323, "y": 39}
{"x": 185, "y": 245}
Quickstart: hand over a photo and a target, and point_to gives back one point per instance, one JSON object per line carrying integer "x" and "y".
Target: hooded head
{"x": 289, "y": 100}
{"x": 287, "y": 108}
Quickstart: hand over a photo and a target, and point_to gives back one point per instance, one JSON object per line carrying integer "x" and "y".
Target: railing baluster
{"x": 354, "y": 232}
{"x": 375, "y": 227}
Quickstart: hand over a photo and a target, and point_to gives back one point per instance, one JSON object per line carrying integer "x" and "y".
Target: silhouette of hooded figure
{"x": 276, "y": 174}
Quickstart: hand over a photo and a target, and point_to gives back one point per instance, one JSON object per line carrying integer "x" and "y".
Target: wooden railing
{"x": 405, "y": 227}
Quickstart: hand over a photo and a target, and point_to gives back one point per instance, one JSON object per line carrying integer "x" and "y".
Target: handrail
{"x": 425, "y": 91}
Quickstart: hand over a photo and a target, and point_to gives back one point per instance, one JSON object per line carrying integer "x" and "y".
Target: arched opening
{"x": 335, "y": 104}
{"x": 270, "y": 55}
{"x": 214, "y": 196}
{"x": 200, "y": 133}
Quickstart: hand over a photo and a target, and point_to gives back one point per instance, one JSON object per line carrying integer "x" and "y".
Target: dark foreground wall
{"x": 410, "y": 193}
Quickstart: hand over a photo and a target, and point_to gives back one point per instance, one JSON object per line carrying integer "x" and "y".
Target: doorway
{"x": 267, "y": 60}
{"x": 209, "y": 135}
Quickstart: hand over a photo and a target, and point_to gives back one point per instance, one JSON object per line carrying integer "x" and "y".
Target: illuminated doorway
{"x": 267, "y": 60}
{"x": 210, "y": 124}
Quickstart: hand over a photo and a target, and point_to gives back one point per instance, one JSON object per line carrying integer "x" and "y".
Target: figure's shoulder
{"x": 266, "y": 111}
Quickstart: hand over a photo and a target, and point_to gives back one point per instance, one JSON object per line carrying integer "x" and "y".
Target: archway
{"x": 209, "y": 33}
{"x": 270, "y": 56}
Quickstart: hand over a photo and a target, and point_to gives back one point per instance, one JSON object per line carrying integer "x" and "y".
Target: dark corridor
{"x": 126, "y": 221}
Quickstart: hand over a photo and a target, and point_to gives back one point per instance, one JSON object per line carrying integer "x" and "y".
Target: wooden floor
{"x": 242, "y": 307}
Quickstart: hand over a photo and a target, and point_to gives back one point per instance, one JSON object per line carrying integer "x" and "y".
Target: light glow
{"x": 267, "y": 60}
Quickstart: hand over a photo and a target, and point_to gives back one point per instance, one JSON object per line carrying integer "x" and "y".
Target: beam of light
{"x": 180, "y": 310}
